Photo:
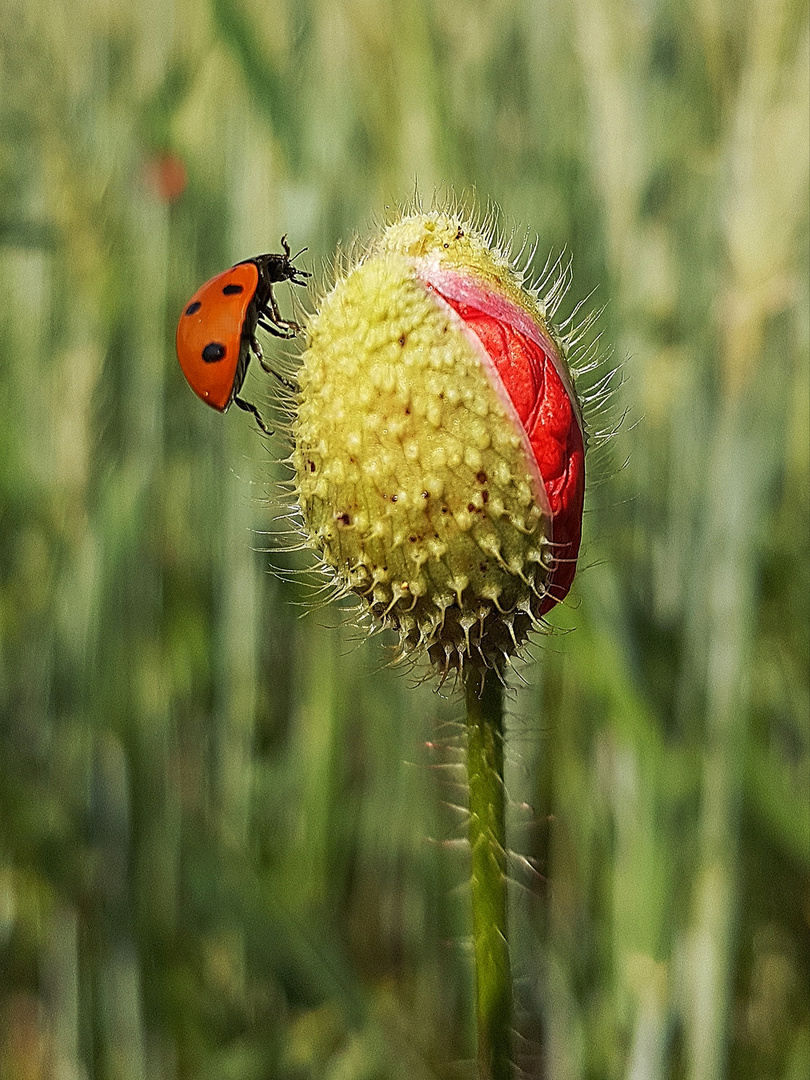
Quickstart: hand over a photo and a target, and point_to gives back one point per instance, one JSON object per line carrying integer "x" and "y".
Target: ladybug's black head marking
{"x": 280, "y": 267}
{"x": 213, "y": 351}
{"x": 232, "y": 290}
{"x": 273, "y": 268}
{"x": 192, "y": 309}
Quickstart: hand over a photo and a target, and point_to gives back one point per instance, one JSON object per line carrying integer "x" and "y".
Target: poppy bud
{"x": 438, "y": 444}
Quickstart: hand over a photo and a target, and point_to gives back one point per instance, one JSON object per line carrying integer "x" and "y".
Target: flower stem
{"x": 493, "y": 980}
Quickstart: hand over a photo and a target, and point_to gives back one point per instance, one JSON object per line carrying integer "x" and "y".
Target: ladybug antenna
{"x": 301, "y": 252}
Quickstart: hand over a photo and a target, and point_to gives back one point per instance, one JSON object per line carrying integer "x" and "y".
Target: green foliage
{"x": 230, "y": 843}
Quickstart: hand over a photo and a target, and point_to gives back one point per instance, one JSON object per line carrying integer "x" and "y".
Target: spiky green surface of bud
{"x": 421, "y": 441}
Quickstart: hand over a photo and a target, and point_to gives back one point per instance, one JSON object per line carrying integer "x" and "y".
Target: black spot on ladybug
{"x": 213, "y": 351}
{"x": 192, "y": 309}
{"x": 232, "y": 290}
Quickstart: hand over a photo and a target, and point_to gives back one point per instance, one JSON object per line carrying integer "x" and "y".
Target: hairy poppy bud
{"x": 438, "y": 444}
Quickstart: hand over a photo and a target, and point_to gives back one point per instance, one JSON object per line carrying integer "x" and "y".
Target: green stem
{"x": 487, "y": 830}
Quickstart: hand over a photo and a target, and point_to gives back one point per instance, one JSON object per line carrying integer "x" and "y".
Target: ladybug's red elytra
{"x": 217, "y": 330}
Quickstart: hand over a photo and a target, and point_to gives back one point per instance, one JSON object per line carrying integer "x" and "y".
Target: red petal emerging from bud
{"x": 538, "y": 385}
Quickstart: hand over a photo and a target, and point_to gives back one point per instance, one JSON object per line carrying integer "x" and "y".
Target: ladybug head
{"x": 276, "y": 267}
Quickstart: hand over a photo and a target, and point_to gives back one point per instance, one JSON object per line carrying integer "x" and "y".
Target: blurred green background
{"x": 231, "y": 840}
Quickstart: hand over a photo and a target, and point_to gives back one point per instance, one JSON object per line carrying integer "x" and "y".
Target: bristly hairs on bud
{"x": 595, "y": 380}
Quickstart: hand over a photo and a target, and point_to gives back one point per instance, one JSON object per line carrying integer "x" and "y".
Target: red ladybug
{"x": 217, "y": 330}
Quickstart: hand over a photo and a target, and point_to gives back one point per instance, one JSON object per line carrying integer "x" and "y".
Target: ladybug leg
{"x": 283, "y": 329}
{"x": 273, "y": 321}
{"x": 281, "y": 378}
{"x": 247, "y": 407}
{"x": 257, "y": 351}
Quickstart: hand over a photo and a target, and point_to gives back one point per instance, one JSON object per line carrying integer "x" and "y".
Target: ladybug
{"x": 217, "y": 330}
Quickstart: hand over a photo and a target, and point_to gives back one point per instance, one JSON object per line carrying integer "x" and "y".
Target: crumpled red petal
{"x": 531, "y": 378}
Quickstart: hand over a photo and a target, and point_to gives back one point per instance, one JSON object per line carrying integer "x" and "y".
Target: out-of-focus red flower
{"x": 165, "y": 175}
